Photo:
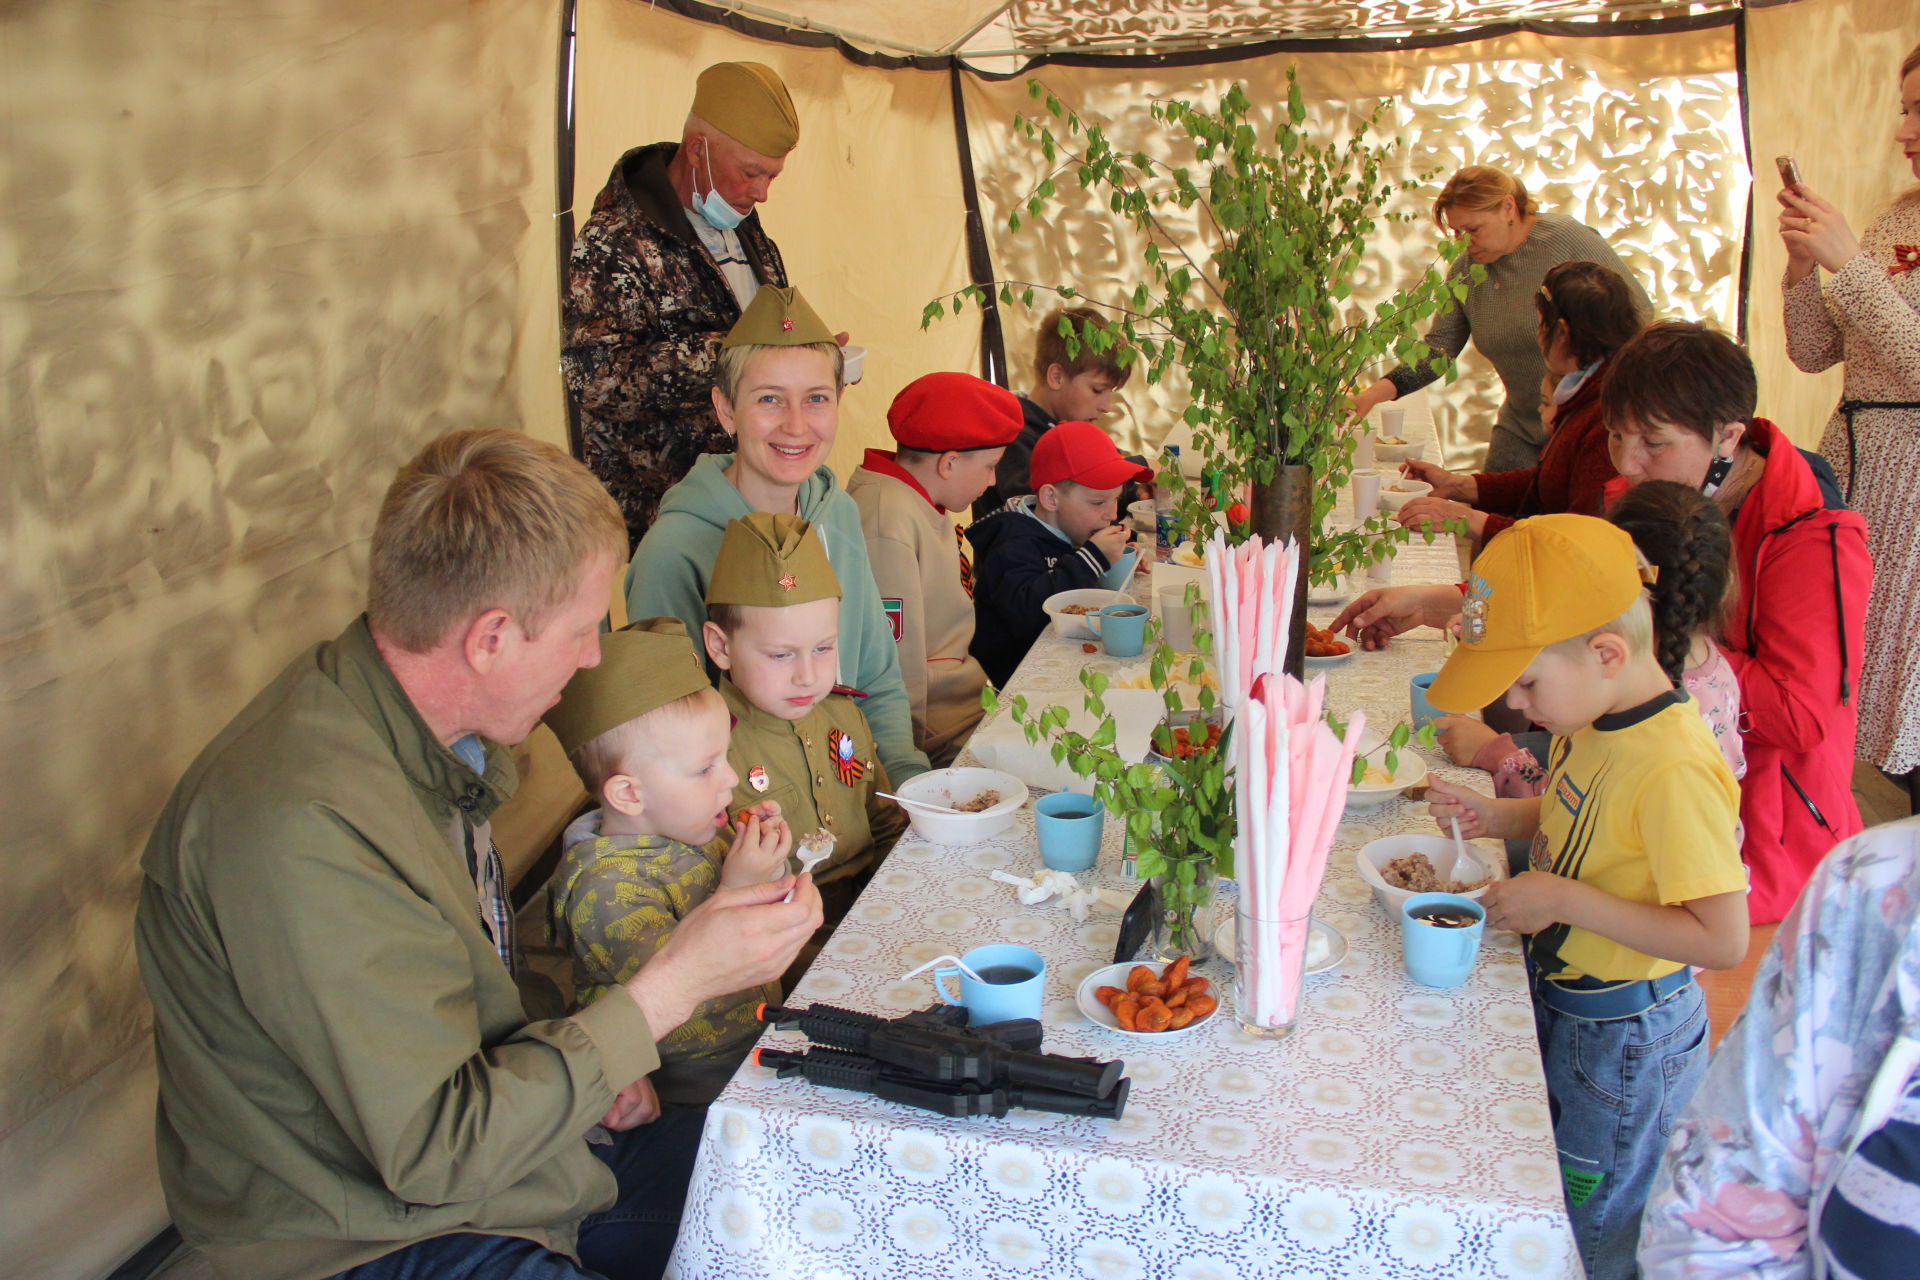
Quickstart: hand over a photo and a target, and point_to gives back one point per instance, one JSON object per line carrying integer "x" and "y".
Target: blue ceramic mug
{"x": 1122, "y": 629}
{"x": 1012, "y": 981}
{"x": 1424, "y": 712}
{"x": 1069, "y": 826}
{"x": 1440, "y": 937}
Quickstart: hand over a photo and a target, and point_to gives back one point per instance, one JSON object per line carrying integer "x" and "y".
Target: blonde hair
{"x": 483, "y": 520}
{"x": 616, "y": 750}
{"x": 731, "y": 368}
{"x": 1479, "y": 187}
{"x": 1635, "y": 627}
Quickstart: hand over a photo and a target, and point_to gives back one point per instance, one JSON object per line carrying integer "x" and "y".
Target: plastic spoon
{"x": 1465, "y": 865}
{"x": 928, "y": 805}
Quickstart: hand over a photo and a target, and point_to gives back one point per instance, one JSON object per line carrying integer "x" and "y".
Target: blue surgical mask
{"x": 711, "y": 207}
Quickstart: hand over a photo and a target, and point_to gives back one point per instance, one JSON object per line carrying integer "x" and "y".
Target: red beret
{"x": 942, "y": 411}
{"x": 1082, "y": 453}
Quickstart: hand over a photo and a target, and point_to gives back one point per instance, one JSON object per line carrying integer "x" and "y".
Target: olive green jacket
{"x": 346, "y": 1066}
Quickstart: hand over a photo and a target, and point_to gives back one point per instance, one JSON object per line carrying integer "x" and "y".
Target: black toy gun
{"x": 838, "y": 1069}
{"x": 930, "y": 1060}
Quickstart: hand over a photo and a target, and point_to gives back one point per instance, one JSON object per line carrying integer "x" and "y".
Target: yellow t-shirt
{"x": 1639, "y": 804}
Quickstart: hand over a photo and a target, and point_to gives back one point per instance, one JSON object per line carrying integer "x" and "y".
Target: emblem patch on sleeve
{"x": 896, "y": 616}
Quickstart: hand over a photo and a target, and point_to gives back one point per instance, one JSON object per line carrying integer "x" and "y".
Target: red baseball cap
{"x": 1082, "y": 453}
{"x": 941, "y": 411}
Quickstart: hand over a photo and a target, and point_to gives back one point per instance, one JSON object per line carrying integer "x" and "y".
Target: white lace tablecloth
{"x": 1400, "y": 1131}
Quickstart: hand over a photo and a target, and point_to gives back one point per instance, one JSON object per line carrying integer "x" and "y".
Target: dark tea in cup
{"x": 1003, "y": 974}
{"x": 1447, "y": 918}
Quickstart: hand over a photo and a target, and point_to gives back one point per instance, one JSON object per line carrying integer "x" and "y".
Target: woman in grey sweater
{"x": 1517, "y": 244}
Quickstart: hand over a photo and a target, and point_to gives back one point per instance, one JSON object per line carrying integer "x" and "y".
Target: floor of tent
{"x": 1880, "y": 801}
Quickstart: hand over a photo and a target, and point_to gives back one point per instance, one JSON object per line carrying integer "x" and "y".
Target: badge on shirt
{"x": 757, "y": 778}
{"x": 896, "y": 615}
{"x": 846, "y": 761}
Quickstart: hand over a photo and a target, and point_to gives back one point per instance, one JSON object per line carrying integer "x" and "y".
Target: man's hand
{"x": 760, "y": 847}
{"x": 633, "y": 1106}
{"x": 1527, "y": 903}
{"x": 1429, "y": 511}
{"x": 1378, "y": 615}
{"x": 1446, "y": 484}
{"x": 1462, "y": 737}
{"x": 1111, "y": 542}
{"x": 738, "y": 938}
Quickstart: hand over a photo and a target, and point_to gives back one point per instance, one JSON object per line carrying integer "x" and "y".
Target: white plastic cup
{"x": 1366, "y": 495}
{"x": 853, "y": 364}
{"x": 1175, "y": 622}
{"x": 1363, "y": 455}
{"x": 1380, "y": 568}
{"x": 1393, "y": 419}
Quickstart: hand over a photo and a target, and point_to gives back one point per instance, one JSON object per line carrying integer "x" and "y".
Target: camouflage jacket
{"x": 644, "y": 312}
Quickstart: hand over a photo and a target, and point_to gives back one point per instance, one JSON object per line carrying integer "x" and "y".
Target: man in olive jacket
{"x": 349, "y": 1080}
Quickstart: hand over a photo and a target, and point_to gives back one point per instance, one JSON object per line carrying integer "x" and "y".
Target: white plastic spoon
{"x": 928, "y": 805}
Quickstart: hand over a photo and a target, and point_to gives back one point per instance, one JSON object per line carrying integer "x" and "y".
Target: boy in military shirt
{"x": 951, "y": 429}
{"x": 773, "y": 606}
{"x": 1636, "y": 869}
{"x": 635, "y": 866}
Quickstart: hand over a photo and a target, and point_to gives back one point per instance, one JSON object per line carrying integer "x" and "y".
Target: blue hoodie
{"x": 668, "y": 578}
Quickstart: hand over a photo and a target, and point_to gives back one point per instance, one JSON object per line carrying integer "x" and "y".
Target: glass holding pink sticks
{"x": 1292, "y": 773}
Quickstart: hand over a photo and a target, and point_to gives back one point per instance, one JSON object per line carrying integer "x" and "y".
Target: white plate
{"x": 1115, "y": 975}
{"x": 1365, "y": 795}
{"x": 1314, "y": 663}
{"x": 1333, "y": 943}
{"x": 1339, "y": 591}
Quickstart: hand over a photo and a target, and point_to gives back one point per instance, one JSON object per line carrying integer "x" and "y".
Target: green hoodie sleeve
{"x": 872, "y": 659}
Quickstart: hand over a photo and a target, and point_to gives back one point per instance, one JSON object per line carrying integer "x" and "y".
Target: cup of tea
{"x": 1069, "y": 826}
{"x": 1122, "y": 629}
{"x": 1011, "y": 980}
{"x": 1440, "y": 937}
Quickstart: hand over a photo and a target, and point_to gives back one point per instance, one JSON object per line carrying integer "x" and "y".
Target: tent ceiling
{"x": 984, "y": 28}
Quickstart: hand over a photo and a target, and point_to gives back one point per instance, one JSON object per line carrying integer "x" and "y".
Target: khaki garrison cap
{"x": 772, "y": 561}
{"x": 747, "y": 102}
{"x": 777, "y": 317}
{"x": 643, "y": 666}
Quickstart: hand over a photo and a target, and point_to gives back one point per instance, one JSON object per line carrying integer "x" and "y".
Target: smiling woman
{"x": 777, "y": 393}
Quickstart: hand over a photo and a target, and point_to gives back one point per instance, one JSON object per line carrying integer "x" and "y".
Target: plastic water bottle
{"x": 1163, "y": 515}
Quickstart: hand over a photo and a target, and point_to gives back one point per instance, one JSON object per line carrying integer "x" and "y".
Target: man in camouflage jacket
{"x": 645, "y": 311}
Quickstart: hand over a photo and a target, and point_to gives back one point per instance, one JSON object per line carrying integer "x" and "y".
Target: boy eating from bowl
{"x": 1636, "y": 872}
{"x": 773, "y": 630}
{"x": 636, "y": 865}
{"x": 1061, "y": 537}
{"x": 951, "y": 429}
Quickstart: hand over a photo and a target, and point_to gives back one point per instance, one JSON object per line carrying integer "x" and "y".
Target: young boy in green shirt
{"x": 635, "y": 866}
{"x": 773, "y": 628}
{"x": 1636, "y": 872}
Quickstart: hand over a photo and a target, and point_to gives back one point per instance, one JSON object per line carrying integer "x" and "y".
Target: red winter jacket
{"x": 1572, "y": 473}
{"x": 1795, "y": 641}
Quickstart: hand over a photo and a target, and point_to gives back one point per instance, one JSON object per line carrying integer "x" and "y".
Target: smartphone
{"x": 1789, "y": 170}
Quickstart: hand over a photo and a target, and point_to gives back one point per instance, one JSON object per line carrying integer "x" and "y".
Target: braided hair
{"x": 1686, "y": 535}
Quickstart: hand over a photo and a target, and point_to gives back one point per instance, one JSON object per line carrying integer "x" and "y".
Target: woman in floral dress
{"x": 1868, "y": 315}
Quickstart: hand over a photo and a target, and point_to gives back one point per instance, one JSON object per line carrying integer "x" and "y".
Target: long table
{"x": 1400, "y": 1131}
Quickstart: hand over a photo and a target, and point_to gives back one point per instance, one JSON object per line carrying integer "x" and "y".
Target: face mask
{"x": 711, "y": 207}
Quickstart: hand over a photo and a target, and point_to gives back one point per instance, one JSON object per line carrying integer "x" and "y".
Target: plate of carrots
{"x": 1324, "y": 648}
{"x": 1151, "y": 1001}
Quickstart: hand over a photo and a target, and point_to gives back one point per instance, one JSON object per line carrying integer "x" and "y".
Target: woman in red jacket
{"x": 1586, "y": 312}
{"x": 1678, "y": 405}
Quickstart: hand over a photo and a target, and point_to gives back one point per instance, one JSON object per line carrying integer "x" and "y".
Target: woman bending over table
{"x": 1587, "y": 311}
{"x": 1868, "y": 315}
{"x": 1517, "y": 244}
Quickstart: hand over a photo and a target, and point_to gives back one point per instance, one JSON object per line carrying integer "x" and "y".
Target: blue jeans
{"x": 1615, "y": 1089}
{"x": 630, "y": 1241}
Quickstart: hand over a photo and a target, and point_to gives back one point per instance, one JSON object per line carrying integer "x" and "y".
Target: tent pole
{"x": 993, "y": 344}
{"x": 563, "y": 155}
{"x": 954, "y": 47}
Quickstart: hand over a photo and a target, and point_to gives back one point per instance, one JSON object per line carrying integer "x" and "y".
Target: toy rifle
{"x": 926, "y": 1060}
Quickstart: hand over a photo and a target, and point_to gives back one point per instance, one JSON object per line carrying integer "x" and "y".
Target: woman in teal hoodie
{"x": 778, "y": 396}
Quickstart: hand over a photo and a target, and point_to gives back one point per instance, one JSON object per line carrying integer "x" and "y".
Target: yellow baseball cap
{"x": 1542, "y": 581}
